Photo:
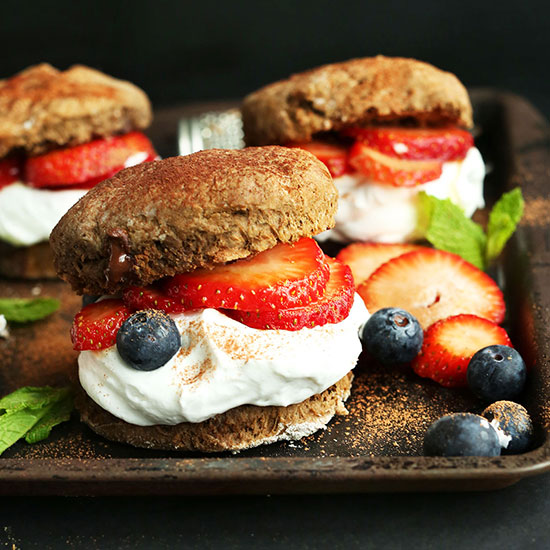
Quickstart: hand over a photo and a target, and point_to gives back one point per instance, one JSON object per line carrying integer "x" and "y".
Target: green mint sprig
{"x": 446, "y": 227}
{"x": 32, "y": 413}
{"x": 23, "y": 310}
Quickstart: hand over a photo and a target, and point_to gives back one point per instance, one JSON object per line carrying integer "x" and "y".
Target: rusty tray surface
{"x": 376, "y": 447}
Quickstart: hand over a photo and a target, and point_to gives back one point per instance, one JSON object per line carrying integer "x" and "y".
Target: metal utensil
{"x": 211, "y": 130}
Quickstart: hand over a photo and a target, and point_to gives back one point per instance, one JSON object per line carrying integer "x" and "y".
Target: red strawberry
{"x": 442, "y": 144}
{"x": 449, "y": 345}
{"x": 95, "y": 326}
{"x": 365, "y": 258}
{"x": 391, "y": 170}
{"x": 433, "y": 284}
{"x": 10, "y": 171}
{"x": 89, "y": 163}
{"x": 286, "y": 275}
{"x": 332, "y": 307}
{"x": 136, "y": 298}
{"x": 335, "y": 157}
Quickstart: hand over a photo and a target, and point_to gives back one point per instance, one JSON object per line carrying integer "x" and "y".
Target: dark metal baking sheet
{"x": 377, "y": 446}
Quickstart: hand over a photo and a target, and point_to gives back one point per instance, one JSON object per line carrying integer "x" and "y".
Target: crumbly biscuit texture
{"x": 174, "y": 215}
{"x": 356, "y": 92}
{"x": 43, "y": 108}
{"x": 237, "y": 429}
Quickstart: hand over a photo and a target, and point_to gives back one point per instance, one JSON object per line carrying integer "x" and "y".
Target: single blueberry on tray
{"x": 148, "y": 339}
{"x": 461, "y": 434}
{"x": 515, "y": 423}
{"x": 392, "y": 336}
{"x": 496, "y": 372}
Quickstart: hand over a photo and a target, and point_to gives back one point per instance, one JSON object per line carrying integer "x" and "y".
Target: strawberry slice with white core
{"x": 95, "y": 326}
{"x": 365, "y": 258}
{"x": 89, "y": 163}
{"x": 10, "y": 171}
{"x": 287, "y": 275}
{"x": 449, "y": 345}
{"x": 443, "y": 144}
{"x": 431, "y": 285}
{"x": 333, "y": 156}
{"x": 391, "y": 170}
{"x": 137, "y": 298}
{"x": 334, "y": 306}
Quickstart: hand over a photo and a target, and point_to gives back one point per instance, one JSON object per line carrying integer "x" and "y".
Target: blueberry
{"x": 515, "y": 422}
{"x": 88, "y": 299}
{"x": 148, "y": 339}
{"x": 461, "y": 434}
{"x": 496, "y": 372}
{"x": 392, "y": 336}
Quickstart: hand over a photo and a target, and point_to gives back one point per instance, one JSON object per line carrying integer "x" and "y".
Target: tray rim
{"x": 273, "y": 474}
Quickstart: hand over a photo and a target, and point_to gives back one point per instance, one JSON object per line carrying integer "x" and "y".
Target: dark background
{"x": 182, "y": 51}
{"x": 192, "y": 51}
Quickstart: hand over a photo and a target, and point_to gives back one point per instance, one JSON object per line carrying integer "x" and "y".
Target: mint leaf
{"x": 57, "y": 412}
{"x": 15, "y": 425}
{"x": 32, "y": 413}
{"x": 503, "y": 220}
{"x": 32, "y": 398}
{"x": 446, "y": 227}
{"x": 23, "y": 310}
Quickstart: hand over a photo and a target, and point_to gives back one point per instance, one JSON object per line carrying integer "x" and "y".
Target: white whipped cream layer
{"x": 371, "y": 211}
{"x": 223, "y": 364}
{"x": 28, "y": 215}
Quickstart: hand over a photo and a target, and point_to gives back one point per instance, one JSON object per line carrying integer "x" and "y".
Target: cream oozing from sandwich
{"x": 373, "y": 211}
{"x": 223, "y": 364}
{"x": 28, "y": 214}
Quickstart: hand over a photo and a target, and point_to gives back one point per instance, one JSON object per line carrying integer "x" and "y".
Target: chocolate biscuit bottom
{"x": 237, "y": 429}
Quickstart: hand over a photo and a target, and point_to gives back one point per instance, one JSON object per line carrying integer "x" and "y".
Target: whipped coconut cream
{"x": 223, "y": 364}
{"x": 503, "y": 438}
{"x": 371, "y": 211}
{"x": 4, "y": 333}
{"x": 28, "y": 215}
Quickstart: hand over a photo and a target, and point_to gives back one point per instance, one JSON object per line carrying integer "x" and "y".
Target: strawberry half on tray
{"x": 458, "y": 306}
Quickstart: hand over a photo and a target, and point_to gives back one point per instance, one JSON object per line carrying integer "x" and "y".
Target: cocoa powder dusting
{"x": 389, "y": 412}
{"x": 537, "y": 212}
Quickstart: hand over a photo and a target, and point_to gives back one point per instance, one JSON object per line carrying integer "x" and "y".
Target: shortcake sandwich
{"x": 216, "y": 323}
{"x": 61, "y": 132}
{"x": 387, "y": 129}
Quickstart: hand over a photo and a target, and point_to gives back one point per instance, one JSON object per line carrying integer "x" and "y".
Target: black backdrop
{"x": 187, "y": 51}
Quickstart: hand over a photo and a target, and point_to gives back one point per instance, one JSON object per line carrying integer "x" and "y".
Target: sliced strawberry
{"x": 89, "y": 163}
{"x": 332, "y": 307}
{"x": 365, "y": 258}
{"x": 333, "y": 156}
{"x": 442, "y": 144}
{"x": 433, "y": 284}
{"x": 10, "y": 171}
{"x": 136, "y": 298}
{"x": 393, "y": 171}
{"x": 449, "y": 345}
{"x": 95, "y": 326}
{"x": 286, "y": 275}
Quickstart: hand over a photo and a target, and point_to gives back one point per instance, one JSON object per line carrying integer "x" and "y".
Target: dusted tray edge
{"x": 267, "y": 475}
{"x": 276, "y": 475}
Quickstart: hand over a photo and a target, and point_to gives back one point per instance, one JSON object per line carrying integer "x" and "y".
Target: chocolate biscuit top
{"x": 43, "y": 108}
{"x": 171, "y": 216}
{"x": 358, "y": 92}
